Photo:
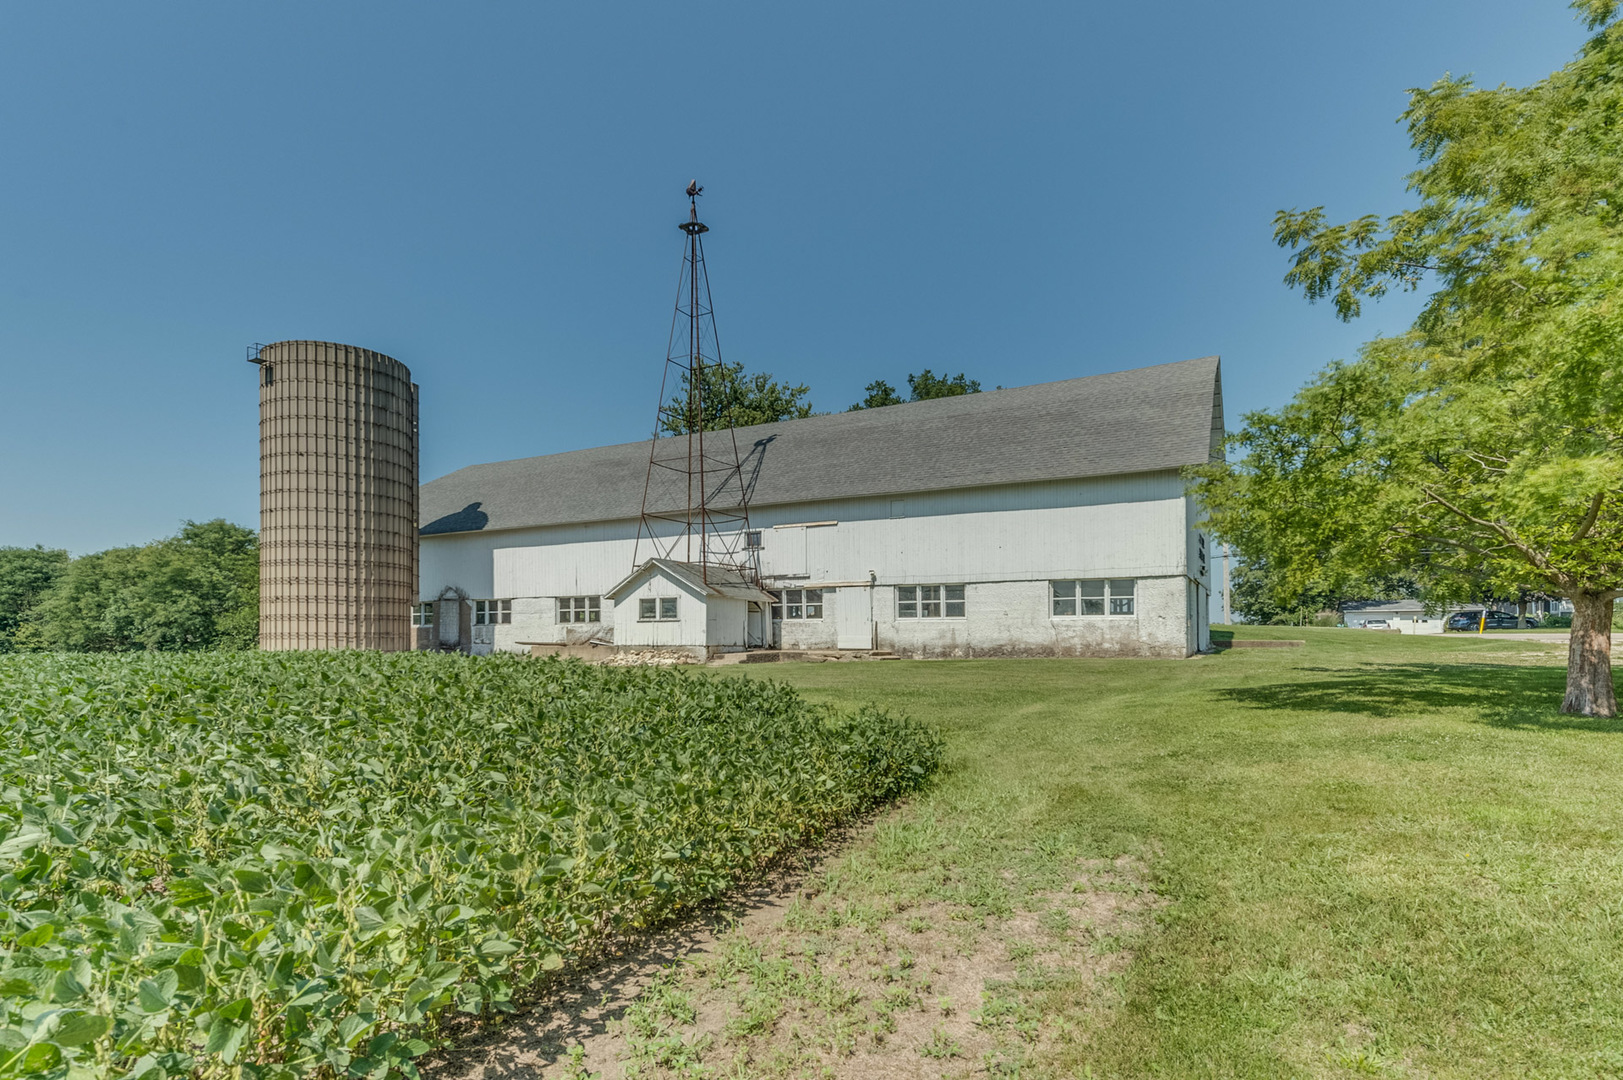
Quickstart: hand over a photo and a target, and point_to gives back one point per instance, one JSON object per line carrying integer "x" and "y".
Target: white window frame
{"x": 423, "y": 614}
{"x": 931, "y": 602}
{"x": 798, "y": 604}
{"x": 657, "y": 609}
{"x": 492, "y": 612}
{"x": 1093, "y": 598}
{"x": 580, "y": 609}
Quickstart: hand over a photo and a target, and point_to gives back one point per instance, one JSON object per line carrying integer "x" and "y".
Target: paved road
{"x": 1552, "y": 638}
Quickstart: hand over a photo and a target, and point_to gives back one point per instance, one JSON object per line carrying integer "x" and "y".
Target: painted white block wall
{"x": 1014, "y": 618}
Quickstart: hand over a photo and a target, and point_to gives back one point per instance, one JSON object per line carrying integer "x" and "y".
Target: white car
{"x": 1377, "y": 624}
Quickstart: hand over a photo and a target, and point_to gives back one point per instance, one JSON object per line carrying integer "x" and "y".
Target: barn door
{"x": 785, "y": 552}
{"x": 853, "y": 618}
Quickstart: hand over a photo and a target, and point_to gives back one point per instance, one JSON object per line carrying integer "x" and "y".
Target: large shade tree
{"x": 1483, "y": 449}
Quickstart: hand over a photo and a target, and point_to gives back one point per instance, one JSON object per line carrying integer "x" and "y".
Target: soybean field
{"x": 296, "y": 865}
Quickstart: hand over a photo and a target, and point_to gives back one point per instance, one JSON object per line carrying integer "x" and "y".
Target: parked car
{"x": 1496, "y": 620}
{"x": 1377, "y": 624}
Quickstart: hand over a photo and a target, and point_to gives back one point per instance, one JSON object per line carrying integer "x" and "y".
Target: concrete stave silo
{"x": 338, "y": 497}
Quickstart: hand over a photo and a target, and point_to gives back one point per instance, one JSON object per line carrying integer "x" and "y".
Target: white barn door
{"x": 853, "y": 618}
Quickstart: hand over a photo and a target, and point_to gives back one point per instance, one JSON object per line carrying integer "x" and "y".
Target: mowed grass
{"x": 1379, "y": 855}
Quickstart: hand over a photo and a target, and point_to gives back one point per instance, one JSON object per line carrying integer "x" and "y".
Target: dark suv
{"x": 1497, "y": 620}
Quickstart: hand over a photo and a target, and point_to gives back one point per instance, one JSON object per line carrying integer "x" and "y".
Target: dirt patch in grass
{"x": 816, "y": 983}
{"x": 585, "y": 1006}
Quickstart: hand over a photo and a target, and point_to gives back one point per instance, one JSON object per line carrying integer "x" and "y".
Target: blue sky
{"x": 489, "y": 192}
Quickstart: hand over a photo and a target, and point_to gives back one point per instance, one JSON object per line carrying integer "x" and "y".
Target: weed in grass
{"x": 575, "y": 1065}
{"x": 1002, "y": 1063}
{"x": 1056, "y": 921}
{"x": 941, "y": 1045}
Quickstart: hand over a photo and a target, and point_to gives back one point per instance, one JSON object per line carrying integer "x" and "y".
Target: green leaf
{"x": 308, "y": 993}
{"x": 189, "y": 892}
{"x": 350, "y": 1027}
{"x": 368, "y": 920}
{"x": 225, "y": 1039}
{"x": 69, "y": 986}
{"x": 40, "y": 935}
{"x": 146, "y": 1067}
{"x": 236, "y": 1010}
{"x": 252, "y": 881}
{"x": 158, "y": 994}
{"x": 80, "y": 1028}
{"x": 41, "y": 1057}
{"x": 26, "y": 838}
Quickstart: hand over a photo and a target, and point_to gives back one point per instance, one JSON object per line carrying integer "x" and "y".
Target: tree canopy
{"x": 921, "y": 387}
{"x": 196, "y": 590}
{"x": 732, "y": 398}
{"x": 26, "y": 574}
{"x": 1483, "y": 449}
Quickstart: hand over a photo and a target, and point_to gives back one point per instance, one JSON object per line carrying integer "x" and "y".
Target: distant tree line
{"x": 198, "y": 589}
{"x": 1257, "y": 593}
{"x": 732, "y": 397}
{"x": 921, "y": 387}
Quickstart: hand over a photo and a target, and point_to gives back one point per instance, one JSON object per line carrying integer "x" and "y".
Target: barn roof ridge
{"x": 1139, "y": 420}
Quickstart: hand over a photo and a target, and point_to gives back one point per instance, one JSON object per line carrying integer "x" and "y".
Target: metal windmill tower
{"x": 695, "y": 504}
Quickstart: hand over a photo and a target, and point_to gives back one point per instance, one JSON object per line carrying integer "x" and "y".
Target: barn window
{"x": 656, "y": 609}
{"x": 1097, "y": 597}
{"x": 573, "y": 609}
{"x": 930, "y": 602}
{"x": 752, "y": 539}
{"x": 799, "y": 604}
{"x": 492, "y": 612}
{"x": 422, "y": 614}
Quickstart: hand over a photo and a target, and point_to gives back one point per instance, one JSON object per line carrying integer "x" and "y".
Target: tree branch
{"x": 1589, "y": 518}
{"x": 1527, "y": 552}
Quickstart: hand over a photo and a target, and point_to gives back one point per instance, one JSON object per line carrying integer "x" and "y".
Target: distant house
{"x": 1047, "y": 520}
{"x": 1356, "y": 615}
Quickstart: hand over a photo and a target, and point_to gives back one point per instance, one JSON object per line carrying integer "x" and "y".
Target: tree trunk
{"x": 1589, "y": 658}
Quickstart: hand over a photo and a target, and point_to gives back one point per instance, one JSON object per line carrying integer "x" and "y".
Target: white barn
{"x": 1047, "y": 520}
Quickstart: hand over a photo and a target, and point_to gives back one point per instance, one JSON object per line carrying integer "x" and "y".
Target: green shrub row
{"x": 294, "y": 864}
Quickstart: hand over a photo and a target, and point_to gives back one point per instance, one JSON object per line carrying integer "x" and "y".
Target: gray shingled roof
{"x": 722, "y": 582}
{"x": 1147, "y": 419}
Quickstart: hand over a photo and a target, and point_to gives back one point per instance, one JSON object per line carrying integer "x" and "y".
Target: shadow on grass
{"x": 1500, "y": 695}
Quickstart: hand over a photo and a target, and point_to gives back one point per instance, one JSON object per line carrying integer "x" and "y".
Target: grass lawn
{"x": 1373, "y": 855}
